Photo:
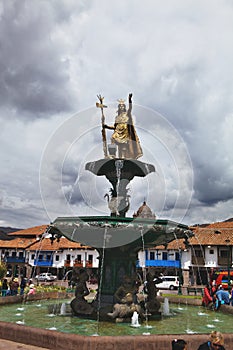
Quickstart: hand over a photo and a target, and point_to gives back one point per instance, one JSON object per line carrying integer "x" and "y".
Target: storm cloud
{"x": 175, "y": 57}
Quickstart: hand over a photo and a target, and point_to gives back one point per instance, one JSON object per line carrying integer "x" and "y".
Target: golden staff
{"x": 102, "y": 106}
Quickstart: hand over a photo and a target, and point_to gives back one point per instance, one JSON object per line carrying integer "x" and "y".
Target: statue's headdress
{"x": 121, "y": 101}
{"x": 121, "y": 104}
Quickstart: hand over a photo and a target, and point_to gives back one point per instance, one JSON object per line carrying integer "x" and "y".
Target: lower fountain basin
{"x": 182, "y": 319}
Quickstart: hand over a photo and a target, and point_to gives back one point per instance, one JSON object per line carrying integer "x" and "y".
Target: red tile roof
{"x": 32, "y": 231}
{"x": 214, "y": 234}
{"x": 64, "y": 243}
{"x": 17, "y": 243}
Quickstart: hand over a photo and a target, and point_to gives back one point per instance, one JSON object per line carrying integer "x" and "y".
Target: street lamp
{"x": 180, "y": 273}
{"x": 228, "y": 265}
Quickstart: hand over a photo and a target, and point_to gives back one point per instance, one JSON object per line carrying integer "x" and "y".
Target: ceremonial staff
{"x": 102, "y": 106}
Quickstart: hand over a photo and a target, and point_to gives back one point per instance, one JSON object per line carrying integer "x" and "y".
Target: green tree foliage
{"x": 3, "y": 270}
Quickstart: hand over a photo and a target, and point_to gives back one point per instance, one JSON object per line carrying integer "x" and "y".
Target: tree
{"x": 3, "y": 270}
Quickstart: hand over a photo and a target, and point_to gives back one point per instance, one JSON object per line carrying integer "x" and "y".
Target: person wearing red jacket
{"x": 207, "y": 298}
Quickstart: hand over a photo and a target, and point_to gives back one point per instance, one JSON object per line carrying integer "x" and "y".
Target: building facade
{"x": 31, "y": 252}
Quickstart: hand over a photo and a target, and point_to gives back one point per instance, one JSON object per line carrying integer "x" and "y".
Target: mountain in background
{"x": 228, "y": 220}
{"x": 4, "y": 232}
{"x": 206, "y": 224}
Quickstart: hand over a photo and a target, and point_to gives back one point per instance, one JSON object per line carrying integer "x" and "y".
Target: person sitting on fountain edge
{"x": 222, "y": 297}
{"x": 179, "y": 344}
{"x": 215, "y": 343}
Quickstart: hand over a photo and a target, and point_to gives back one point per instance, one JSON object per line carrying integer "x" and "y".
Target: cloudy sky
{"x": 174, "y": 56}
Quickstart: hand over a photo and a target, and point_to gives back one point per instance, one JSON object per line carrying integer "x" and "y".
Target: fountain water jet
{"x": 134, "y": 320}
{"x": 166, "y": 308}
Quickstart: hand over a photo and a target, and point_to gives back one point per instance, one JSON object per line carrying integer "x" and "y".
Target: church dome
{"x": 144, "y": 212}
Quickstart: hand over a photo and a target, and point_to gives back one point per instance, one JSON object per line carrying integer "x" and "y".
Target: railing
{"x": 78, "y": 263}
{"x": 66, "y": 263}
{"x": 198, "y": 260}
{"x": 89, "y": 263}
{"x": 163, "y": 263}
{"x": 45, "y": 263}
{"x": 14, "y": 259}
{"x": 223, "y": 261}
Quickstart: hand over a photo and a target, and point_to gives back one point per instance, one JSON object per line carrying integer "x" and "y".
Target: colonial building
{"x": 32, "y": 252}
{"x": 210, "y": 249}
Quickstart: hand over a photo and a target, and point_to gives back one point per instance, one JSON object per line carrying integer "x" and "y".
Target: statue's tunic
{"x": 125, "y": 137}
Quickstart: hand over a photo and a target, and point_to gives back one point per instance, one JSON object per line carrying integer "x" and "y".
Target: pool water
{"x": 182, "y": 319}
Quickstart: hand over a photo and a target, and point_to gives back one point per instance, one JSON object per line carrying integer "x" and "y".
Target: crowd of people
{"x": 215, "y": 296}
{"x": 13, "y": 287}
{"x": 215, "y": 342}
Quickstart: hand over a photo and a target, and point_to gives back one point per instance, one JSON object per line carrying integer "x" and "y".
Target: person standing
{"x": 14, "y": 285}
{"x": 23, "y": 284}
{"x": 216, "y": 342}
{"x": 4, "y": 287}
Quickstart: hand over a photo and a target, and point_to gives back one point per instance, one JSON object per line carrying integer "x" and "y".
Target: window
{"x": 21, "y": 255}
{"x": 198, "y": 253}
{"x": 79, "y": 257}
{"x": 223, "y": 253}
{"x": 90, "y": 258}
{"x": 57, "y": 258}
{"x": 177, "y": 258}
{"x": 164, "y": 256}
{"x": 13, "y": 254}
{"x": 152, "y": 255}
{"x": 211, "y": 251}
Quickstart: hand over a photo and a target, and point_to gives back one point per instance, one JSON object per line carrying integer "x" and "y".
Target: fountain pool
{"x": 182, "y": 319}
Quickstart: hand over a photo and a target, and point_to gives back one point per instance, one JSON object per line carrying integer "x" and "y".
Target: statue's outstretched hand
{"x": 130, "y": 97}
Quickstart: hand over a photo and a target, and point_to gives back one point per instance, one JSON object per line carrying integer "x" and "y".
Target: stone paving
{"x": 10, "y": 345}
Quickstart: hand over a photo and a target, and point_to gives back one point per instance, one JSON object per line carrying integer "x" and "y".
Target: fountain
{"x": 117, "y": 238}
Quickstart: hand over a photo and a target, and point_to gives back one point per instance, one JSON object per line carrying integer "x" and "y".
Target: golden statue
{"x": 124, "y": 135}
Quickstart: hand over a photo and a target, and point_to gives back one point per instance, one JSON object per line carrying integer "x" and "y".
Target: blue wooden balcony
{"x": 44, "y": 263}
{"x": 161, "y": 263}
{"x": 14, "y": 259}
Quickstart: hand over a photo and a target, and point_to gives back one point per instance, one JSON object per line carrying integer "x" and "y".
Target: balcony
{"x": 66, "y": 263}
{"x": 89, "y": 263}
{"x": 43, "y": 263}
{"x": 223, "y": 261}
{"x": 163, "y": 263}
{"x": 14, "y": 259}
{"x": 78, "y": 263}
{"x": 198, "y": 260}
